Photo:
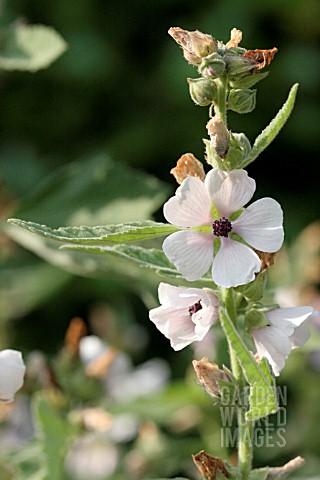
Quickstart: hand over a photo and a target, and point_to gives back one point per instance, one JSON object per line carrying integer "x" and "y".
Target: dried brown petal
{"x": 266, "y": 259}
{"x": 262, "y": 57}
{"x": 207, "y": 374}
{"x": 209, "y": 466}
{"x": 76, "y": 330}
{"x": 235, "y": 38}
{"x": 188, "y": 166}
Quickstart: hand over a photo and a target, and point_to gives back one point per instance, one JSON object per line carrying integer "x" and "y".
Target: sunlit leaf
{"x": 272, "y": 130}
{"x": 99, "y": 235}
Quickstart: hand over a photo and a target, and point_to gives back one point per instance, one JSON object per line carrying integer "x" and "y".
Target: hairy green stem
{"x": 220, "y": 105}
{"x": 245, "y": 444}
{"x": 245, "y": 428}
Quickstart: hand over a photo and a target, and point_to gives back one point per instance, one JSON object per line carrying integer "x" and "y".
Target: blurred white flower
{"x": 92, "y": 457}
{"x": 285, "y": 331}
{"x": 204, "y": 210}
{"x": 91, "y": 347}
{"x": 185, "y": 314}
{"x": 12, "y": 370}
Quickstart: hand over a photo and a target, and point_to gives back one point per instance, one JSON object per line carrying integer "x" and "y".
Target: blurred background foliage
{"x": 91, "y": 140}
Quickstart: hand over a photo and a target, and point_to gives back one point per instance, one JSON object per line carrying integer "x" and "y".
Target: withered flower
{"x": 208, "y": 373}
{"x": 188, "y": 166}
{"x": 262, "y": 58}
{"x": 219, "y": 136}
{"x": 210, "y": 467}
{"x": 235, "y": 38}
{"x": 195, "y": 45}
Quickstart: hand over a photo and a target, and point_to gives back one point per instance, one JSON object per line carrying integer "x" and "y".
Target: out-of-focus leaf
{"x": 52, "y": 431}
{"x": 94, "y": 191}
{"x": 26, "y": 285}
{"x": 29, "y": 47}
{"x": 91, "y": 192}
{"x": 99, "y": 235}
{"x": 151, "y": 258}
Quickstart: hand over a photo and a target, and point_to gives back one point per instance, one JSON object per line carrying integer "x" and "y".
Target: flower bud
{"x": 255, "y": 319}
{"x": 242, "y": 100}
{"x": 212, "y": 66}
{"x": 12, "y": 370}
{"x": 239, "y": 149}
{"x": 238, "y": 65}
{"x": 202, "y": 91}
{"x": 195, "y": 45}
{"x": 246, "y": 80}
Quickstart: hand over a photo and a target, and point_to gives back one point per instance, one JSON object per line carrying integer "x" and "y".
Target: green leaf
{"x": 29, "y": 47}
{"x": 52, "y": 431}
{"x": 86, "y": 235}
{"x": 152, "y": 258}
{"x": 263, "y": 399}
{"x": 271, "y": 131}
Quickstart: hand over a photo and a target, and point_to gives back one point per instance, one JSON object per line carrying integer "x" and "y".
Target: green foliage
{"x": 262, "y": 397}
{"x": 29, "y": 47}
{"x": 100, "y": 235}
{"x": 271, "y": 131}
{"x": 52, "y": 431}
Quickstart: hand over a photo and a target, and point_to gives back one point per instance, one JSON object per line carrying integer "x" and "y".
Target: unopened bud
{"x": 242, "y": 100}
{"x": 188, "y": 166}
{"x": 255, "y": 319}
{"x": 238, "y": 65}
{"x": 219, "y": 136}
{"x": 212, "y": 66}
{"x": 246, "y": 80}
{"x": 203, "y": 91}
{"x": 195, "y": 45}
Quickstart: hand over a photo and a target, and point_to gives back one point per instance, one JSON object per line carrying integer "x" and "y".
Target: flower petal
{"x": 235, "y": 264}
{"x": 177, "y": 297}
{"x": 300, "y": 336}
{"x": 175, "y": 324}
{"x": 260, "y": 225}
{"x": 293, "y": 316}
{"x": 12, "y": 370}
{"x": 229, "y": 191}
{"x": 190, "y": 252}
{"x": 272, "y": 344}
{"x": 191, "y": 205}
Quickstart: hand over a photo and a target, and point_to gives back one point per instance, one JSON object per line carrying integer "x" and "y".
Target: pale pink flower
{"x": 204, "y": 210}
{"x": 12, "y": 370}
{"x": 285, "y": 331}
{"x": 185, "y": 314}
